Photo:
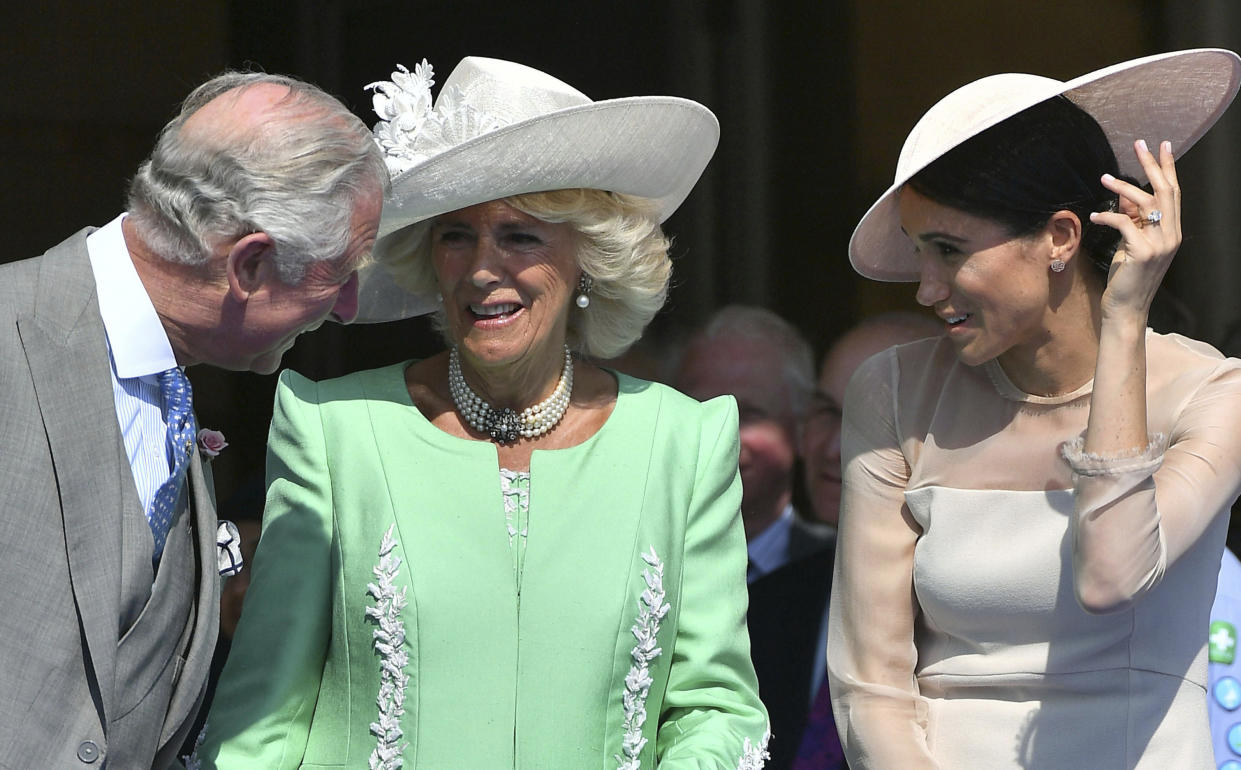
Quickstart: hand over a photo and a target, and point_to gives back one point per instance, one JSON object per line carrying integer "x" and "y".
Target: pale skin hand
{"x": 1118, "y": 403}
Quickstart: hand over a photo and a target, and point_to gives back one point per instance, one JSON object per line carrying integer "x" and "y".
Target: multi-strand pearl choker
{"x": 504, "y": 426}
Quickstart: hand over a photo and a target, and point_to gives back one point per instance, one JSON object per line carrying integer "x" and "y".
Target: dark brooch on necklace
{"x": 503, "y": 425}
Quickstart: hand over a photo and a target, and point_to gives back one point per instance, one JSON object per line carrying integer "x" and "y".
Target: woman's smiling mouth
{"x": 495, "y": 313}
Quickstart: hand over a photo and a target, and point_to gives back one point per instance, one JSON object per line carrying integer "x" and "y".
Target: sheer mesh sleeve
{"x": 1137, "y": 512}
{"x": 881, "y": 716}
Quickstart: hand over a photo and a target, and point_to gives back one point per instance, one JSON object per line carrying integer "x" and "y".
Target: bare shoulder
{"x": 1184, "y": 350}
{"x": 1173, "y": 358}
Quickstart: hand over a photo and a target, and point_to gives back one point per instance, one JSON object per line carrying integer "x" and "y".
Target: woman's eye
{"x": 524, "y": 239}
{"x": 946, "y": 249}
{"x": 451, "y": 236}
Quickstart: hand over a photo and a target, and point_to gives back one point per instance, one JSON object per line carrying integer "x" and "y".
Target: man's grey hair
{"x": 759, "y": 324}
{"x": 296, "y": 178}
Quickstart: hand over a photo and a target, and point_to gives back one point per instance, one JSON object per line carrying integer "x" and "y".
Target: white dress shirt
{"x": 139, "y": 350}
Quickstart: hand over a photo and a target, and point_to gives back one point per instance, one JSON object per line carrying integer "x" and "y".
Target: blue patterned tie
{"x": 175, "y": 391}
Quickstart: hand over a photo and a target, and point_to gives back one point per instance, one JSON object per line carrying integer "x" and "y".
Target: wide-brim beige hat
{"x": 498, "y": 129}
{"x": 1171, "y": 96}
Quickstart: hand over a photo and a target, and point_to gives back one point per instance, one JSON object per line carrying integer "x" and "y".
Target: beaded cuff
{"x": 754, "y": 757}
{"x": 1147, "y": 458}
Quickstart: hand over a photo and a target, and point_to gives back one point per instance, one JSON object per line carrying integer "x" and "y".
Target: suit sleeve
{"x": 267, "y": 693}
{"x": 712, "y": 716}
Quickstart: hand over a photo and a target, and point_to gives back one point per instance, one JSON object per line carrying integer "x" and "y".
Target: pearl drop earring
{"x": 584, "y": 284}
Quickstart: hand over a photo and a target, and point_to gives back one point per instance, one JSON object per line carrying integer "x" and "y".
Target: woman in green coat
{"x": 502, "y": 556}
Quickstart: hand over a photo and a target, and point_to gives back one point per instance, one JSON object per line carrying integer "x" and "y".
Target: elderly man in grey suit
{"x": 244, "y": 228}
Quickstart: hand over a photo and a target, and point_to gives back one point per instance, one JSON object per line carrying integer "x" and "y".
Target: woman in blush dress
{"x": 1035, "y": 502}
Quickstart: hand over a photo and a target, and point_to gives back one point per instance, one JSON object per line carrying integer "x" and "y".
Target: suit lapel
{"x": 65, "y": 348}
{"x": 206, "y": 617}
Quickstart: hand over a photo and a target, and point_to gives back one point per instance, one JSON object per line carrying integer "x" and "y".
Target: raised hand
{"x": 1150, "y": 228}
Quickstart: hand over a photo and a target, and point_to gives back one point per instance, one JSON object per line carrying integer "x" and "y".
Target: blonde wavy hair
{"x": 622, "y": 249}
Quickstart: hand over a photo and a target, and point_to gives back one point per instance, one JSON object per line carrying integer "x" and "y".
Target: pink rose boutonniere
{"x": 211, "y": 442}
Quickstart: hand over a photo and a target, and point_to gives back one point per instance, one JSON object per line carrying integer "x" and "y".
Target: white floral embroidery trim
{"x": 192, "y": 762}
{"x": 515, "y": 490}
{"x": 755, "y": 757}
{"x": 389, "y": 640}
{"x": 651, "y": 610}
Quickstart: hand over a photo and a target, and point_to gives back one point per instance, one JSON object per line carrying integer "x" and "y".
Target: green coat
{"x": 548, "y": 678}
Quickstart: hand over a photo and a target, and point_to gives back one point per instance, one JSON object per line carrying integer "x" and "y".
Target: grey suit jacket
{"x": 66, "y": 491}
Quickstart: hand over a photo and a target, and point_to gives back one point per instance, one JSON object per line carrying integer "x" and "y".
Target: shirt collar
{"x": 139, "y": 344}
{"x": 768, "y": 550}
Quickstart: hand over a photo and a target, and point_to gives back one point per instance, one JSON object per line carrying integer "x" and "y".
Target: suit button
{"x": 88, "y": 751}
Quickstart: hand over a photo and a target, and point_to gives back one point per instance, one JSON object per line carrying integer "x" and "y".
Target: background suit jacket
{"x": 786, "y": 622}
{"x": 367, "y": 499}
{"x": 92, "y": 669}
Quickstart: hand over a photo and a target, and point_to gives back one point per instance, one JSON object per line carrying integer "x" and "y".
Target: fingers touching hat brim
{"x": 1174, "y": 96}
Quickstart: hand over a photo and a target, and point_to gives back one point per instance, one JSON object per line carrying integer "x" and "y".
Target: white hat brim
{"x": 650, "y": 146}
{"x": 1173, "y": 96}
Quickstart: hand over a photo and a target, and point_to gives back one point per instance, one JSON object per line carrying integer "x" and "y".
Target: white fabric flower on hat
{"x": 412, "y": 127}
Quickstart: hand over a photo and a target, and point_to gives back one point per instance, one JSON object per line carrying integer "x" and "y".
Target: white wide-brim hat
{"x": 1171, "y": 96}
{"x": 498, "y": 129}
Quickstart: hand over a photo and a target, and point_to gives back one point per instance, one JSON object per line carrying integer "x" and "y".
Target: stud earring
{"x": 1057, "y": 265}
{"x": 584, "y": 284}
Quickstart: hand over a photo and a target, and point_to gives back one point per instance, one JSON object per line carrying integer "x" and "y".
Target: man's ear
{"x": 250, "y": 264}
